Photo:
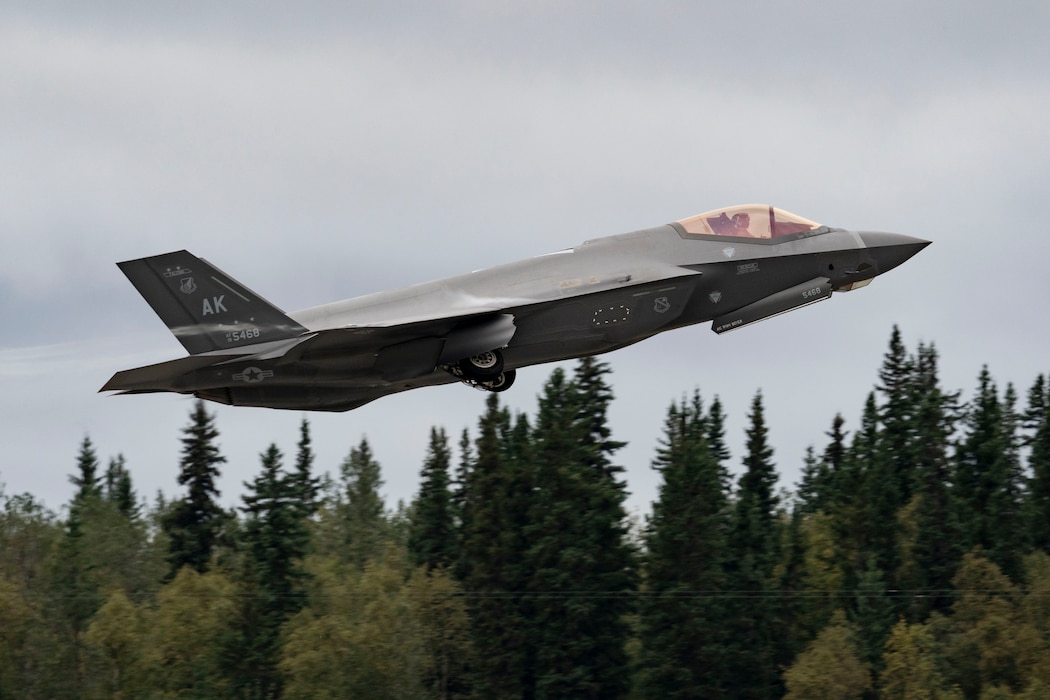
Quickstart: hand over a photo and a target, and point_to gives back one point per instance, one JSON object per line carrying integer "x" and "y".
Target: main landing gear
{"x": 483, "y": 371}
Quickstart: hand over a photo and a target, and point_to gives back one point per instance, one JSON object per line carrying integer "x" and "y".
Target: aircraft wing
{"x": 409, "y": 349}
{"x": 395, "y": 352}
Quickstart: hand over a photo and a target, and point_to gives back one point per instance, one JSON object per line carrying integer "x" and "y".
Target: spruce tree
{"x": 715, "y": 422}
{"x": 591, "y": 396}
{"x": 118, "y": 489}
{"x": 936, "y": 552}
{"x": 835, "y": 458}
{"x": 867, "y": 501}
{"x": 682, "y": 612}
{"x": 74, "y": 575}
{"x": 582, "y": 565}
{"x": 819, "y": 488}
{"x": 194, "y": 522}
{"x": 432, "y": 532}
{"x": 796, "y": 606}
{"x": 1011, "y": 542}
{"x": 757, "y": 488}
{"x": 753, "y": 540}
{"x": 812, "y": 487}
{"x": 896, "y": 438}
{"x": 274, "y": 539}
{"x": 872, "y": 615}
{"x": 978, "y": 460}
{"x": 86, "y": 477}
{"x": 458, "y": 487}
{"x": 985, "y": 489}
{"x": 1037, "y": 502}
{"x": 879, "y": 497}
{"x": 306, "y": 486}
{"x": 492, "y": 563}
{"x": 363, "y": 513}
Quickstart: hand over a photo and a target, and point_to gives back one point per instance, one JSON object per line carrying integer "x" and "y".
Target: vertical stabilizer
{"x": 204, "y": 307}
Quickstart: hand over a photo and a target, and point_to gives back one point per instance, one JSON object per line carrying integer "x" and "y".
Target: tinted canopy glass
{"x": 748, "y": 221}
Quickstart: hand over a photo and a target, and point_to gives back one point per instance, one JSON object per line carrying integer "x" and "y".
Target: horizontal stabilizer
{"x": 161, "y": 376}
{"x": 775, "y": 304}
{"x": 204, "y": 307}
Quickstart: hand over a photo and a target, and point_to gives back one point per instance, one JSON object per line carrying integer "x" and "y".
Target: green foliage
{"x": 86, "y": 478}
{"x": 830, "y": 668}
{"x": 754, "y": 538}
{"x": 986, "y": 481}
{"x": 877, "y": 499}
{"x": 545, "y": 555}
{"x": 190, "y": 625}
{"x": 822, "y": 574}
{"x": 361, "y": 511}
{"x": 580, "y": 564}
{"x": 989, "y": 643}
{"x": 873, "y": 616}
{"x": 519, "y": 576}
{"x": 28, "y": 534}
{"x": 933, "y": 552}
{"x": 897, "y": 417}
{"x": 274, "y": 535}
{"x": 911, "y": 667}
{"x": 492, "y": 563}
{"x": 118, "y": 489}
{"x": 119, "y": 632}
{"x": 274, "y": 542}
{"x": 813, "y": 488}
{"x": 382, "y": 636}
{"x": 306, "y": 488}
{"x": 432, "y": 531}
{"x": 18, "y": 620}
{"x": 1037, "y": 503}
{"x": 682, "y": 621}
{"x": 194, "y": 523}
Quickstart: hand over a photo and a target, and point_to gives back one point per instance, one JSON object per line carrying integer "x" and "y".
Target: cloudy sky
{"x": 322, "y": 150}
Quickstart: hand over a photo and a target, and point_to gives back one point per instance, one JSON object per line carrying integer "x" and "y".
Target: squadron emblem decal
{"x": 188, "y": 286}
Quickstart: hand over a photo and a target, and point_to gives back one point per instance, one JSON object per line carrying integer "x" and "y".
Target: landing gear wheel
{"x": 500, "y": 383}
{"x": 483, "y": 367}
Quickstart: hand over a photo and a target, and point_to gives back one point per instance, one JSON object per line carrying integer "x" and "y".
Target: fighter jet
{"x": 732, "y": 266}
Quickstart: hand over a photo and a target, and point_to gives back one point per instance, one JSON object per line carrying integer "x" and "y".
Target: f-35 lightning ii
{"x": 731, "y": 266}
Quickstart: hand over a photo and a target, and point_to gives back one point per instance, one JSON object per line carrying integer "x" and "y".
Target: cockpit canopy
{"x": 747, "y": 221}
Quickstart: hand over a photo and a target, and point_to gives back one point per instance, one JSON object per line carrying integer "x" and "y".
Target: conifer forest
{"x": 910, "y": 561}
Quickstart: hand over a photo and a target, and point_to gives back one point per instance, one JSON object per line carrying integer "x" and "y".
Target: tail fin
{"x": 205, "y": 308}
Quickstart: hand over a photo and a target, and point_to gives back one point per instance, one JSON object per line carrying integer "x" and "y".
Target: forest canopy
{"x": 909, "y": 561}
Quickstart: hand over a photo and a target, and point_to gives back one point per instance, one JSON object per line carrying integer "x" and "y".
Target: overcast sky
{"x": 322, "y": 150}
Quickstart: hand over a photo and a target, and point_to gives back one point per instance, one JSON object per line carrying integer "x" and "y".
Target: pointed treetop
{"x": 200, "y": 454}
{"x": 119, "y": 490}
{"x": 716, "y": 430}
{"x": 86, "y": 478}
{"x": 758, "y": 482}
{"x": 307, "y": 487}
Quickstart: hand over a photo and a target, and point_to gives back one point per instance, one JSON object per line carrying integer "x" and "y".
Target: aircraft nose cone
{"x": 891, "y": 249}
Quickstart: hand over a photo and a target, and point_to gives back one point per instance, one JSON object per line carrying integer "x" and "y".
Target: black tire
{"x": 483, "y": 367}
{"x": 501, "y": 383}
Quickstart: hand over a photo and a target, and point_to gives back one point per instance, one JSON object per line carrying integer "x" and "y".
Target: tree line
{"x": 910, "y": 561}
